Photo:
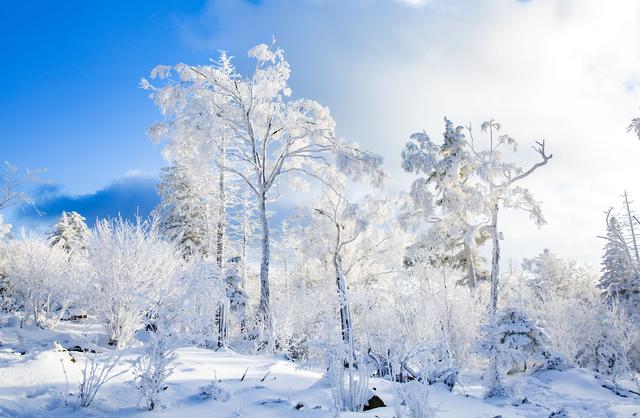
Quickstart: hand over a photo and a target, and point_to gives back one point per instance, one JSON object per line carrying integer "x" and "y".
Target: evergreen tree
{"x": 70, "y": 233}
{"x": 186, "y": 210}
{"x": 620, "y": 279}
{"x": 511, "y": 339}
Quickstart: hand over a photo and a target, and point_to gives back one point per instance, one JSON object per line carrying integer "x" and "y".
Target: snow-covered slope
{"x": 211, "y": 384}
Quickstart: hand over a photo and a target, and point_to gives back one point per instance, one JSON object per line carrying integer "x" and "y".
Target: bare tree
{"x": 12, "y": 185}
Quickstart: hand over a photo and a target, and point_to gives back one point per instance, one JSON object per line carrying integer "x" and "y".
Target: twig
{"x": 265, "y": 376}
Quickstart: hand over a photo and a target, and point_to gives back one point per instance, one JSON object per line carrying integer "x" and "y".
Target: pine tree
{"x": 70, "y": 233}
{"x": 511, "y": 339}
{"x": 620, "y": 279}
{"x": 187, "y": 210}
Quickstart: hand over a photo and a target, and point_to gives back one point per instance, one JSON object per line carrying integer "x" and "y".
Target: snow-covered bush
{"x": 154, "y": 367}
{"x": 200, "y": 291}
{"x": 510, "y": 340}
{"x": 97, "y": 371}
{"x": 406, "y": 334}
{"x": 42, "y": 280}
{"x": 132, "y": 266}
{"x": 411, "y": 400}
{"x": 349, "y": 383}
{"x": 300, "y": 310}
{"x": 619, "y": 348}
{"x": 214, "y": 391}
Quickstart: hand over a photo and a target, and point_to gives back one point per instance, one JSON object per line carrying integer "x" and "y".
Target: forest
{"x": 355, "y": 300}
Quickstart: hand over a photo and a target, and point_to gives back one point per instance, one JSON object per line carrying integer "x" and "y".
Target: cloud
{"x": 563, "y": 70}
{"x": 128, "y": 196}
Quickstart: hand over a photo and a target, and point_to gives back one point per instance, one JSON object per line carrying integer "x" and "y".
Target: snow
{"x": 33, "y": 384}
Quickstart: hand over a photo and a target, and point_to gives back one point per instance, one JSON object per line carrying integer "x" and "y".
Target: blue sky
{"x": 564, "y": 70}
{"x": 68, "y": 73}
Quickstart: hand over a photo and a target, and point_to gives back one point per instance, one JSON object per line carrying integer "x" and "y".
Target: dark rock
{"x": 373, "y": 403}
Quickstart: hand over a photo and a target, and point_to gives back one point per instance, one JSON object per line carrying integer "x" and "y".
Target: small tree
{"x": 70, "y": 233}
{"x": 510, "y": 340}
{"x": 620, "y": 279}
{"x": 154, "y": 367}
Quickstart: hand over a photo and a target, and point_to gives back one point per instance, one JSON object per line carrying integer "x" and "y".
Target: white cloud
{"x": 564, "y": 70}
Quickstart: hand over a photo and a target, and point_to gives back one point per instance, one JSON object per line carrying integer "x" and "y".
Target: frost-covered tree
{"x": 70, "y": 233}
{"x": 255, "y": 132}
{"x": 549, "y": 276}
{"x": 185, "y": 209}
{"x": 12, "y": 185}
{"x": 362, "y": 254}
{"x": 155, "y": 365}
{"x": 447, "y": 197}
{"x": 634, "y": 126}
{"x": 235, "y": 292}
{"x": 470, "y": 185}
{"x": 197, "y": 210}
{"x": 201, "y": 292}
{"x": 131, "y": 267}
{"x": 5, "y": 235}
{"x": 623, "y": 343}
{"x": 620, "y": 280}
{"x": 43, "y": 281}
{"x": 500, "y": 178}
{"x": 5, "y": 229}
{"x": 510, "y": 340}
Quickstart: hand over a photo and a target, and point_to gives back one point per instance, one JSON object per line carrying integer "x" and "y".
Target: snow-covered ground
{"x": 33, "y": 384}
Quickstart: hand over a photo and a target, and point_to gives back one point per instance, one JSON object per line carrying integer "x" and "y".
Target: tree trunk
{"x": 495, "y": 260}
{"x": 245, "y": 239}
{"x": 345, "y": 312}
{"x": 222, "y": 314}
{"x": 471, "y": 269}
{"x": 633, "y": 232}
{"x": 345, "y": 325}
{"x": 264, "y": 307}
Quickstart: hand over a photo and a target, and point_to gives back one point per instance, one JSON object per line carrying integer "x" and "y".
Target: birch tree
{"x": 501, "y": 179}
{"x": 352, "y": 250}
{"x": 256, "y": 132}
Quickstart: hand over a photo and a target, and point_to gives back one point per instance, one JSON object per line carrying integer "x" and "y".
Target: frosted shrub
{"x": 154, "y": 367}
{"x": 132, "y": 266}
{"x": 43, "y": 280}
{"x": 97, "y": 371}
{"x": 411, "y": 400}
{"x": 407, "y": 335}
{"x": 621, "y": 338}
{"x": 510, "y": 340}
{"x": 299, "y": 313}
{"x": 200, "y": 293}
{"x": 349, "y": 385}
